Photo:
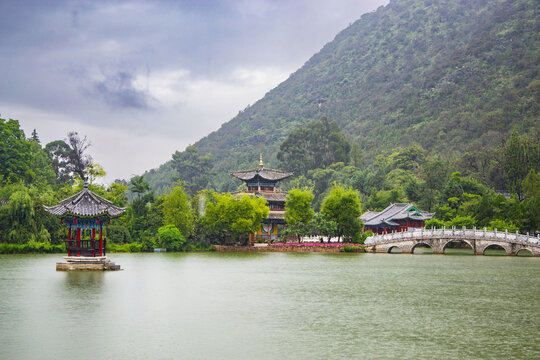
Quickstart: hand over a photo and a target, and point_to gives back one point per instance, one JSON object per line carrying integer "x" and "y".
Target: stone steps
{"x": 109, "y": 265}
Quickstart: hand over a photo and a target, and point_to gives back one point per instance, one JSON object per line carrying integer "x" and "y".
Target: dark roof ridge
{"x": 85, "y": 203}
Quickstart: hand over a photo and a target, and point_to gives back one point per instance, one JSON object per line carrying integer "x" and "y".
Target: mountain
{"x": 444, "y": 74}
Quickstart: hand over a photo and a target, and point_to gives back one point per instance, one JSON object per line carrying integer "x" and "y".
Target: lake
{"x": 272, "y": 306}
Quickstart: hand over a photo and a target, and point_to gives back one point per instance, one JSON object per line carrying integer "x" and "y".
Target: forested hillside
{"x": 449, "y": 75}
{"x": 434, "y": 102}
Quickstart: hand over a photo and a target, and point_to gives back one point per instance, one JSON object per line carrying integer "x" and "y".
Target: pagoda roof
{"x": 398, "y": 211}
{"x": 276, "y": 215}
{"x": 270, "y": 196}
{"x": 264, "y": 173}
{"x": 85, "y": 203}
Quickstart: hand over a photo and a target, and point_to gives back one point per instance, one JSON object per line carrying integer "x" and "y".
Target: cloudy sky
{"x": 143, "y": 79}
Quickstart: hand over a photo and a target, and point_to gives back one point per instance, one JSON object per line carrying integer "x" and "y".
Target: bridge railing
{"x": 474, "y": 233}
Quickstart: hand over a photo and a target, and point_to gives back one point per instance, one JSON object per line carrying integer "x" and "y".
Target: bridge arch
{"x": 524, "y": 252}
{"x": 496, "y": 246}
{"x": 421, "y": 244}
{"x": 465, "y": 241}
{"x": 398, "y": 249}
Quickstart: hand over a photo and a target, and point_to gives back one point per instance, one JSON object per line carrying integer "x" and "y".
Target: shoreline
{"x": 290, "y": 248}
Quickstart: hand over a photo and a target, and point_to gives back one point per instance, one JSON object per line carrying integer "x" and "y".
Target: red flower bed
{"x": 313, "y": 244}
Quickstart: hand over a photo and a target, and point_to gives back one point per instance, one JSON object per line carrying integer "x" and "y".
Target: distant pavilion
{"x": 396, "y": 217}
{"x": 84, "y": 214}
{"x": 264, "y": 183}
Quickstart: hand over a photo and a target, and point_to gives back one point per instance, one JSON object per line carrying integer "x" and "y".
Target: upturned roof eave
{"x": 66, "y": 212}
{"x": 69, "y": 206}
{"x": 246, "y": 175}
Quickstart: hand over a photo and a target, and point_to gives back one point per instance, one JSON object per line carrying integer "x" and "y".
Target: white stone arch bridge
{"x": 438, "y": 239}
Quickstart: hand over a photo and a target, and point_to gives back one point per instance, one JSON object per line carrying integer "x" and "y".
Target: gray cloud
{"x": 118, "y": 92}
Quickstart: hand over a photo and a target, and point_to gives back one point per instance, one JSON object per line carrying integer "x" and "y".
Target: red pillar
{"x": 384, "y": 230}
{"x": 92, "y": 242}
{"x": 78, "y": 240}
{"x": 100, "y": 241}
{"x": 69, "y": 241}
{"x": 408, "y": 224}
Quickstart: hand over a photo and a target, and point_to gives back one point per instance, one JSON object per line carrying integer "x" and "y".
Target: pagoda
{"x": 264, "y": 183}
{"x": 396, "y": 217}
{"x": 84, "y": 214}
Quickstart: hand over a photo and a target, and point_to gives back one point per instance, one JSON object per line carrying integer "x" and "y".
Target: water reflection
{"x": 81, "y": 291}
{"x": 84, "y": 280}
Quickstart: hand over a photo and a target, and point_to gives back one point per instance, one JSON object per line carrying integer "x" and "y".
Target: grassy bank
{"x": 31, "y": 248}
{"x": 45, "y": 248}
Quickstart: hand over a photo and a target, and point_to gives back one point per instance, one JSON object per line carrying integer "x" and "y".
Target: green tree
{"x": 35, "y": 137}
{"x": 323, "y": 225}
{"x": 531, "y": 204}
{"x": 193, "y": 170}
{"x": 116, "y": 192}
{"x": 453, "y": 188}
{"x": 41, "y": 172}
{"x": 21, "y": 212}
{"x": 233, "y": 217}
{"x": 318, "y": 145}
{"x": 342, "y": 205}
{"x": 298, "y": 212}
{"x": 94, "y": 171}
{"x": 58, "y": 152}
{"x": 170, "y": 238}
{"x": 139, "y": 186}
{"x": 521, "y": 155}
{"x": 15, "y": 151}
{"x": 177, "y": 210}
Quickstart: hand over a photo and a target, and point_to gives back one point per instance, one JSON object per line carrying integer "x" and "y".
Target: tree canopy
{"x": 298, "y": 212}
{"x": 342, "y": 205}
{"x": 319, "y": 144}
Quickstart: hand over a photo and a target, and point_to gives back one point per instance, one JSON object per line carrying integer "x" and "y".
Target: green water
{"x": 272, "y": 306}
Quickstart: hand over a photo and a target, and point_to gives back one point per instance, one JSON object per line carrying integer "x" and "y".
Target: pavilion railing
{"x": 85, "y": 247}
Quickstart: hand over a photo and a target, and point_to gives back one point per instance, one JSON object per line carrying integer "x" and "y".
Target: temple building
{"x": 396, "y": 217}
{"x": 84, "y": 214}
{"x": 264, "y": 183}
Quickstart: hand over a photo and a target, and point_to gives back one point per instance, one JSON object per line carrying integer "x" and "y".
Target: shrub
{"x": 364, "y": 236}
{"x": 31, "y": 247}
{"x": 351, "y": 248}
{"x": 169, "y": 237}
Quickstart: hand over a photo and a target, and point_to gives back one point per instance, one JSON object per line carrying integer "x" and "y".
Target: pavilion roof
{"x": 85, "y": 203}
{"x": 398, "y": 211}
{"x": 264, "y": 173}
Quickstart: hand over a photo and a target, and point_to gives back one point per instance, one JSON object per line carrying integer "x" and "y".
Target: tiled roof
{"x": 393, "y": 212}
{"x": 266, "y": 174}
{"x": 276, "y": 215}
{"x": 85, "y": 203}
{"x": 275, "y": 196}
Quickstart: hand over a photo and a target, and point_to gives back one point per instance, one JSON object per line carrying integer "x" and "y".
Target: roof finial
{"x": 261, "y": 164}
{"x": 86, "y": 182}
